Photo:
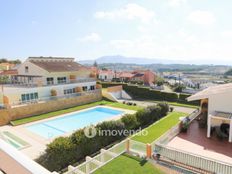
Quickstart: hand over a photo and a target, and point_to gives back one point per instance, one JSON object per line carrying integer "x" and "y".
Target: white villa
{"x": 217, "y": 106}
{"x": 40, "y": 78}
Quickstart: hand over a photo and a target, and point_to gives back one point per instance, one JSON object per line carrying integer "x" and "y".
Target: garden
{"x": 65, "y": 151}
{"x": 127, "y": 164}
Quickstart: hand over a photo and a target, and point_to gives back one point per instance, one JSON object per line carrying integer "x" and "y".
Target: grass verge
{"x": 160, "y": 127}
{"x": 126, "y": 164}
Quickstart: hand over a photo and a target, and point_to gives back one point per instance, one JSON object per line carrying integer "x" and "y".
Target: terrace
{"x": 195, "y": 141}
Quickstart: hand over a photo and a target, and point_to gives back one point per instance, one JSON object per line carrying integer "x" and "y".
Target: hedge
{"x": 138, "y": 92}
{"x": 64, "y": 151}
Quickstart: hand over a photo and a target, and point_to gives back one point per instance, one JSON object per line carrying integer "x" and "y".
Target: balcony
{"x": 50, "y": 83}
{"x": 51, "y": 98}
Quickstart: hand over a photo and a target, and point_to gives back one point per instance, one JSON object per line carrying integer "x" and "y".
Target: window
{"x": 61, "y": 80}
{"x": 92, "y": 87}
{"x": 84, "y": 88}
{"x": 50, "y": 81}
{"x": 29, "y": 97}
{"x": 69, "y": 91}
{"x": 26, "y": 69}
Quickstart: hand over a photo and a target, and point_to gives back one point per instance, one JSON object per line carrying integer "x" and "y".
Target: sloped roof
{"x": 125, "y": 75}
{"x": 139, "y": 75}
{"x": 106, "y": 71}
{"x": 9, "y": 72}
{"x": 211, "y": 91}
{"x": 57, "y": 64}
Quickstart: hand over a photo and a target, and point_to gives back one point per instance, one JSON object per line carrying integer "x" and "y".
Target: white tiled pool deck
{"x": 38, "y": 143}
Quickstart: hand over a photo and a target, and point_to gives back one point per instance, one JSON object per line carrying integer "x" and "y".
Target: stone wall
{"x": 7, "y": 115}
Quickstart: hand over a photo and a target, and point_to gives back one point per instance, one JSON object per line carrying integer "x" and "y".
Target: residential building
{"x": 8, "y": 74}
{"x": 6, "y": 66}
{"x": 124, "y": 76}
{"x": 40, "y": 78}
{"x": 147, "y": 77}
{"x": 106, "y": 75}
{"x": 216, "y": 108}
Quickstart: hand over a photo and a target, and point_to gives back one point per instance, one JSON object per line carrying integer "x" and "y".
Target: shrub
{"x": 171, "y": 109}
{"x": 130, "y": 121}
{"x": 155, "y": 112}
{"x": 58, "y": 154}
{"x": 143, "y": 117}
{"x": 53, "y": 92}
{"x": 164, "y": 108}
{"x": 78, "y": 89}
{"x": 65, "y": 151}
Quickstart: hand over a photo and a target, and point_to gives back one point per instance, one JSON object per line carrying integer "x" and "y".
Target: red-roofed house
{"x": 6, "y": 66}
{"x": 124, "y": 76}
{"x": 106, "y": 75}
{"x": 147, "y": 77}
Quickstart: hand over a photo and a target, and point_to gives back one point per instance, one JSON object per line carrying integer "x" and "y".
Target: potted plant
{"x": 53, "y": 93}
{"x": 185, "y": 124}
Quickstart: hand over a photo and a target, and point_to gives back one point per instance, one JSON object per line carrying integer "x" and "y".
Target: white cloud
{"x": 122, "y": 44}
{"x": 129, "y": 12}
{"x": 226, "y": 34}
{"x": 92, "y": 37}
{"x": 201, "y": 17}
{"x": 176, "y": 3}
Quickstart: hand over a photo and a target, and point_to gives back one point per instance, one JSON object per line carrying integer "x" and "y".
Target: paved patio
{"x": 196, "y": 141}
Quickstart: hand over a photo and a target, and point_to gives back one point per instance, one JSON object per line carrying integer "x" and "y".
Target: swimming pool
{"x": 72, "y": 122}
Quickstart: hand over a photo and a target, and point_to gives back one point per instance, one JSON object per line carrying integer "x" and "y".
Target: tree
{"x": 95, "y": 64}
{"x": 179, "y": 88}
{"x": 159, "y": 81}
{"x": 228, "y": 73}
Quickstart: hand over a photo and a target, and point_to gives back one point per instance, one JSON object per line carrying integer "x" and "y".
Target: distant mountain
{"x": 129, "y": 60}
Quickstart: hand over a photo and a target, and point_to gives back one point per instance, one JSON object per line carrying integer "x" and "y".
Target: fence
{"x": 138, "y": 147}
{"x": 193, "y": 160}
{"x": 98, "y": 161}
{"x": 29, "y": 85}
{"x": 92, "y": 164}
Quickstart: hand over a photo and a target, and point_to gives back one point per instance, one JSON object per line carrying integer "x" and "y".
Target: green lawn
{"x": 77, "y": 108}
{"x": 160, "y": 127}
{"x": 126, "y": 164}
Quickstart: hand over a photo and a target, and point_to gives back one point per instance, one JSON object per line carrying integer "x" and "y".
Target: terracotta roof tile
{"x": 58, "y": 66}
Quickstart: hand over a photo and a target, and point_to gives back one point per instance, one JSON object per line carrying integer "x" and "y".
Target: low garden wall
{"x": 7, "y": 115}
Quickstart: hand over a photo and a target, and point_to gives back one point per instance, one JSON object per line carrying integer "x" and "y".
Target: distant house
{"x": 216, "y": 108}
{"x": 147, "y": 77}
{"x": 7, "y": 75}
{"x": 40, "y": 78}
{"x": 124, "y": 76}
{"x": 6, "y": 66}
{"x": 106, "y": 75}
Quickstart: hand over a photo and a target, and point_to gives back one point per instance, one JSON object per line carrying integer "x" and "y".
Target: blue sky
{"x": 196, "y": 30}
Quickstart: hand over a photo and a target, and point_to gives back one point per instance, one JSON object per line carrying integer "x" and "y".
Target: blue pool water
{"x": 71, "y": 122}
